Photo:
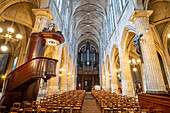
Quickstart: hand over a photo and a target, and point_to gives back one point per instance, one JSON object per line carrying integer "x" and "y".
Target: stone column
{"x": 127, "y": 84}
{"x": 153, "y": 75}
{"x": 63, "y": 82}
{"x": 72, "y": 81}
{"x": 108, "y": 86}
{"x": 103, "y": 78}
{"x": 73, "y": 78}
{"x": 69, "y": 82}
{"x": 114, "y": 78}
{"x": 69, "y": 78}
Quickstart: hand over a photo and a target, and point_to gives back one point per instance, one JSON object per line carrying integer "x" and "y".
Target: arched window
{"x": 59, "y": 5}
{"x": 15, "y": 62}
{"x": 122, "y": 4}
{"x": 3, "y": 63}
{"x": 111, "y": 16}
{"x": 67, "y": 17}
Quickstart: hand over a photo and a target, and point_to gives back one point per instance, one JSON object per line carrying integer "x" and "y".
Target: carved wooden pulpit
{"x": 22, "y": 84}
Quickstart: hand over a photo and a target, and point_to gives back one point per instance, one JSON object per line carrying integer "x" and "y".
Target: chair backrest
{"x": 27, "y": 110}
{"x": 27, "y": 105}
{"x": 42, "y": 110}
{"x": 49, "y": 107}
{"x": 67, "y": 109}
{"x": 24, "y": 103}
{"x": 16, "y": 105}
{"x": 35, "y": 103}
{"x": 144, "y": 111}
{"x": 2, "y": 109}
{"x": 16, "y": 110}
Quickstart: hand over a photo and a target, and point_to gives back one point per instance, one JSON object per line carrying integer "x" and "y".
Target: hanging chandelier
{"x": 8, "y": 35}
{"x": 134, "y": 63}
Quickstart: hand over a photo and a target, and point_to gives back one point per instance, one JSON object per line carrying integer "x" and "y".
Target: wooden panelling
{"x": 156, "y": 101}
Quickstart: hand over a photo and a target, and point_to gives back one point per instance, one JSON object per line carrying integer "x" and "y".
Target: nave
{"x": 55, "y": 47}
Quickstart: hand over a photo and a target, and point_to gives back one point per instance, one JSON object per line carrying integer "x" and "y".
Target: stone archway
{"x": 124, "y": 52}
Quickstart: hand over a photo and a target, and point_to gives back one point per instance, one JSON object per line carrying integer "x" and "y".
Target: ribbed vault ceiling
{"x": 88, "y": 16}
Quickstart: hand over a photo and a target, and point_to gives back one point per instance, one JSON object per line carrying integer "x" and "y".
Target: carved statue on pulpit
{"x": 137, "y": 44}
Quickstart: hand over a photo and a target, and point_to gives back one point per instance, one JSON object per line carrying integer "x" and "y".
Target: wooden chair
{"x": 49, "y": 108}
{"x": 136, "y": 108}
{"x": 42, "y": 110}
{"x": 2, "y": 109}
{"x": 76, "y": 110}
{"x": 66, "y": 110}
{"x": 16, "y": 105}
{"x": 27, "y": 110}
{"x": 106, "y": 110}
{"x": 144, "y": 111}
{"x": 130, "y": 110}
{"x": 35, "y": 105}
{"x": 24, "y": 103}
{"x": 14, "y": 110}
{"x": 27, "y": 105}
{"x": 57, "y": 109}
{"x": 115, "y": 110}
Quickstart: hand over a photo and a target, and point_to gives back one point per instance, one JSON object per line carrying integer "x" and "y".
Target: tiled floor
{"x": 90, "y": 105}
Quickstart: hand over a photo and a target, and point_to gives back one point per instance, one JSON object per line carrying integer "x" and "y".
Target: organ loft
{"x": 85, "y": 56}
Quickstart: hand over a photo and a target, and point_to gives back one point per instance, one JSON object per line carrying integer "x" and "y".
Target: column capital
{"x": 43, "y": 12}
{"x": 1, "y": 19}
{"x": 140, "y": 13}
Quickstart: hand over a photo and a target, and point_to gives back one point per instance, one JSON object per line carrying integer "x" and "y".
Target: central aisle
{"x": 90, "y": 105}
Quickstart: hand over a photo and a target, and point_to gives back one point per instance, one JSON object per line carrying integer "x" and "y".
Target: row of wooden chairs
{"x": 112, "y": 102}
{"x": 68, "y": 102}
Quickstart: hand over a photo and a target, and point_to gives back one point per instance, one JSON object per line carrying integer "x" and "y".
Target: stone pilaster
{"x": 153, "y": 75}
{"x": 43, "y": 17}
{"x": 127, "y": 84}
{"x": 114, "y": 79}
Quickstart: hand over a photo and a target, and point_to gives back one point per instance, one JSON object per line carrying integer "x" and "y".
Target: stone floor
{"x": 90, "y": 105}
